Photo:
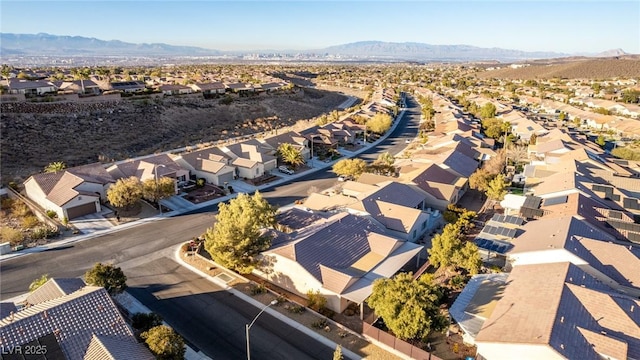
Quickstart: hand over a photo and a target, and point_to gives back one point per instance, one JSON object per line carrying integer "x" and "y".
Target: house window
{"x": 415, "y": 234}
{"x": 257, "y": 171}
{"x": 79, "y": 197}
{"x": 424, "y": 225}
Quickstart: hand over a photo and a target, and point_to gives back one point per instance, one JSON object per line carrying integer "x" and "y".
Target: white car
{"x": 286, "y": 170}
{"x": 407, "y": 141}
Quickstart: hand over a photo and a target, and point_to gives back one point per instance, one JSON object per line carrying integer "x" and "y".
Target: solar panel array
{"x": 631, "y": 203}
{"x": 532, "y": 202}
{"x": 499, "y": 231}
{"x": 555, "y": 200}
{"x": 530, "y": 213}
{"x": 508, "y": 219}
{"x": 493, "y": 245}
{"x": 624, "y": 225}
{"x": 613, "y": 214}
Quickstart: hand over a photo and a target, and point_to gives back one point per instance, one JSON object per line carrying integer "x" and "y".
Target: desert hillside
{"x": 34, "y": 135}
{"x": 573, "y": 69}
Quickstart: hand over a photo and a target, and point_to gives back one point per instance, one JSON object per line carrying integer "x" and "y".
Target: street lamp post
{"x": 248, "y": 326}
{"x": 155, "y": 172}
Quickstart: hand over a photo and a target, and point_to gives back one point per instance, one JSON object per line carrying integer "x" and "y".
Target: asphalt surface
{"x": 207, "y": 317}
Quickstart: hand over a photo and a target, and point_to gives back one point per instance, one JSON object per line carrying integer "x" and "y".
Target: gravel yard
{"x": 36, "y": 134}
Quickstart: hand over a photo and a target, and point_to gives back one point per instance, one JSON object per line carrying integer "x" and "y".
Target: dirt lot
{"x": 34, "y": 135}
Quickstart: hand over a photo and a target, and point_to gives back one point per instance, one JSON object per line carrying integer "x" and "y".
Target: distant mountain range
{"x": 55, "y": 45}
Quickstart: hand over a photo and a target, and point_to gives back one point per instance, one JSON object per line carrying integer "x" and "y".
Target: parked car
{"x": 284, "y": 169}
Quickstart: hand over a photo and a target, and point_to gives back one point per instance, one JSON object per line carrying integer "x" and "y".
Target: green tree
{"x": 444, "y": 246}
{"x": 493, "y": 128}
{"x": 626, "y": 153}
{"x": 379, "y": 123}
{"x": 237, "y": 236}
{"x": 562, "y": 116}
{"x": 409, "y": 308}
{"x": 448, "y": 251}
{"x": 487, "y": 111}
{"x": 533, "y": 139}
{"x": 577, "y": 121}
{"x": 479, "y": 180}
{"x": 350, "y": 167}
{"x": 383, "y": 165}
{"x": 290, "y": 155}
{"x": 164, "y": 343}
{"x": 55, "y": 167}
{"x": 125, "y": 192}
{"x": 145, "y": 321}
{"x": 601, "y": 141}
{"x": 108, "y": 276}
{"x": 155, "y": 191}
{"x": 35, "y": 284}
{"x": 631, "y": 96}
{"x": 497, "y": 188}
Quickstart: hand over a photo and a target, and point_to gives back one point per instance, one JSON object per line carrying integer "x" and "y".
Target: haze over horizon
{"x": 559, "y": 26}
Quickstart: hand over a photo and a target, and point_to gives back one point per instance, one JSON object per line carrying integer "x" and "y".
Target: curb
{"x": 296, "y": 325}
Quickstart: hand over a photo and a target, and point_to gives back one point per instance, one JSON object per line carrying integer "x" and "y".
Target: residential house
{"x": 80, "y": 87}
{"x": 175, "y": 89}
{"x": 129, "y": 86}
{"x": 586, "y": 246}
{"x": 340, "y": 257}
{"x": 252, "y": 158}
{"x": 241, "y": 89}
{"x": 26, "y": 87}
{"x": 71, "y": 193}
{"x": 558, "y": 311}
{"x": 151, "y": 167}
{"x": 81, "y": 324}
{"x": 443, "y": 187}
{"x": 455, "y": 161}
{"x": 211, "y": 164}
{"x": 297, "y": 140}
{"x": 400, "y": 208}
{"x": 210, "y": 88}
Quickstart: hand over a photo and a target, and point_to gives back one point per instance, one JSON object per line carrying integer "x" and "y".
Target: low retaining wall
{"x": 386, "y": 340}
{"x": 35, "y": 209}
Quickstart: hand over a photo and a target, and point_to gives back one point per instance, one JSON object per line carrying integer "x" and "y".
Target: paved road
{"x": 213, "y": 319}
{"x": 141, "y": 252}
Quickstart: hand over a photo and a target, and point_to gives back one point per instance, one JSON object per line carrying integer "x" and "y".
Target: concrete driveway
{"x": 93, "y": 222}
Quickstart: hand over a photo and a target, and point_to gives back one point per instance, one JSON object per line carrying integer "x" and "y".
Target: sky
{"x": 568, "y": 26}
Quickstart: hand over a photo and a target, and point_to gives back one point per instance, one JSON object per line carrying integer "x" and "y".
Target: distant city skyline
{"x": 571, "y": 27}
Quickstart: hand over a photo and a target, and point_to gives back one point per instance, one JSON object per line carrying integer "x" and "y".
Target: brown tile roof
{"x": 55, "y": 288}
{"x": 103, "y": 347}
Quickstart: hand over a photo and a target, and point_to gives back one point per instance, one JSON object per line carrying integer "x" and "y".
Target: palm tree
{"x": 290, "y": 155}
{"x": 55, "y": 167}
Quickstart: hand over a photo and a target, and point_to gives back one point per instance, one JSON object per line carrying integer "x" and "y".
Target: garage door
{"x": 228, "y": 177}
{"x": 77, "y": 211}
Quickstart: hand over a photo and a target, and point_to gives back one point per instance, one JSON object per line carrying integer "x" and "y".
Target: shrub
{"x": 52, "y": 214}
{"x": 65, "y": 221}
{"x": 145, "y": 321}
{"x": 315, "y": 300}
{"x": 11, "y": 235}
{"x": 20, "y": 209}
{"x": 200, "y": 182}
{"x": 43, "y": 232}
{"x": 13, "y": 185}
{"x": 319, "y": 324}
{"x": 258, "y": 289}
{"x": 185, "y": 247}
{"x": 6, "y": 204}
{"x": 297, "y": 309}
{"x": 29, "y": 221}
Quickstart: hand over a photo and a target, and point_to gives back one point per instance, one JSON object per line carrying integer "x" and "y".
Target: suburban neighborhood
{"x": 420, "y": 211}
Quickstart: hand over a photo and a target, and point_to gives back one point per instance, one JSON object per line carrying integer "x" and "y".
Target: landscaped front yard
{"x": 20, "y": 227}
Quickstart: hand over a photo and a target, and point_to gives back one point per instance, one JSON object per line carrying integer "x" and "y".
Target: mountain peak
{"x": 612, "y": 53}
